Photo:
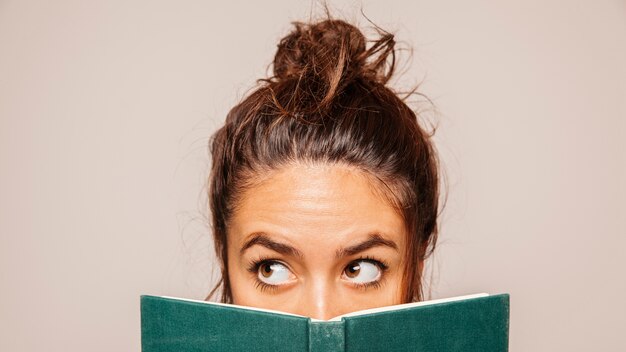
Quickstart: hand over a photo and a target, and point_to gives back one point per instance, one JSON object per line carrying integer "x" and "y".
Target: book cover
{"x": 467, "y": 323}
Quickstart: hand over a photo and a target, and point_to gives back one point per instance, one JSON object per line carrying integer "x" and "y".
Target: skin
{"x": 313, "y": 225}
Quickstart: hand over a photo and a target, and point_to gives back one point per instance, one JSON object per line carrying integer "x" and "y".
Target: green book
{"x": 474, "y": 323}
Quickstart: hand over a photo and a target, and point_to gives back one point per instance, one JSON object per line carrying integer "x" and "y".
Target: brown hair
{"x": 328, "y": 102}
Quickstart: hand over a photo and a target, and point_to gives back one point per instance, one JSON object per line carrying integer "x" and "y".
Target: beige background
{"x": 106, "y": 108}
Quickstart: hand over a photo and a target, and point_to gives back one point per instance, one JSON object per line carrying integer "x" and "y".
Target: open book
{"x": 470, "y": 323}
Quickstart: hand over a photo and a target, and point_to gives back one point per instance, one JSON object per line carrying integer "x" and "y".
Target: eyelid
{"x": 382, "y": 264}
{"x": 366, "y": 285}
{"x": 262, "y": 286}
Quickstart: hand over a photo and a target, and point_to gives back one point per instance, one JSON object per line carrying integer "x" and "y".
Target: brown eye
{"x": 363, "y": 271}
{"x": 353, "y": 269}
{"x": 266, "y": 269}
{"x": 274, "y": 273}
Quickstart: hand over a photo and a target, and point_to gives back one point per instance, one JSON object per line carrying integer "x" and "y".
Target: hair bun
{"x": 332, "y": 48}
{"x": 319, "y": 59}
{"x": 319, "y": 49}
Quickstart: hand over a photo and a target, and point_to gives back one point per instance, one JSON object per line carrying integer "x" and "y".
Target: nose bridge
{"x": 318, "y": 300}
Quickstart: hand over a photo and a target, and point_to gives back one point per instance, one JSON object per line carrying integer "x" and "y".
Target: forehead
{"x": 315, "y": 204}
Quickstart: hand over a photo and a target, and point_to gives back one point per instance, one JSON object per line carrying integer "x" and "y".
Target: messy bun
{"x": 324, "y": 57}
{"x": 327, "y": 102}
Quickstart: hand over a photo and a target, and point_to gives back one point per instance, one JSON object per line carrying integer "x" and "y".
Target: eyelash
{"x": 254, "y": 265}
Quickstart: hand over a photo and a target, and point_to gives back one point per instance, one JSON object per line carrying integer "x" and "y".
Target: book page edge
{"x": 409, "y": 305}
{"x": 230, "y": 305}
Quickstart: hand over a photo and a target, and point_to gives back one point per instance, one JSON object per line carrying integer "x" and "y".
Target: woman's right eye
{"x": 274, "y": 273}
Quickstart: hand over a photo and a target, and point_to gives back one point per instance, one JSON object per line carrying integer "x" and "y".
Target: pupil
{"x": 354, "y": 269}
{"x": 267, "y": 269}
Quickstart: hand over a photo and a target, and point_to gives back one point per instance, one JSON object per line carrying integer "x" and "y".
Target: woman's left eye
{"x": 362, "y": 271}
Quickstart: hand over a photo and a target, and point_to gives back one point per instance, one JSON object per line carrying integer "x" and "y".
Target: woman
{"x": 324, "y": 187}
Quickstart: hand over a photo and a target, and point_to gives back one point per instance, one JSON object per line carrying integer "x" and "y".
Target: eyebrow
{"x": 374, "y": 240}
{"x": 262, "y": 239}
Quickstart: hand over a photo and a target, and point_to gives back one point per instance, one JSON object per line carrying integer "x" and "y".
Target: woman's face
{"x": 315, "y": 240}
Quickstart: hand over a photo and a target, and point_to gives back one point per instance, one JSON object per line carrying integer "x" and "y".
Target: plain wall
{"x": 106, "y": 108}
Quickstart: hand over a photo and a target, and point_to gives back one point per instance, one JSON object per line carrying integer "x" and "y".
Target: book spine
{"x": 326, "y": 336}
